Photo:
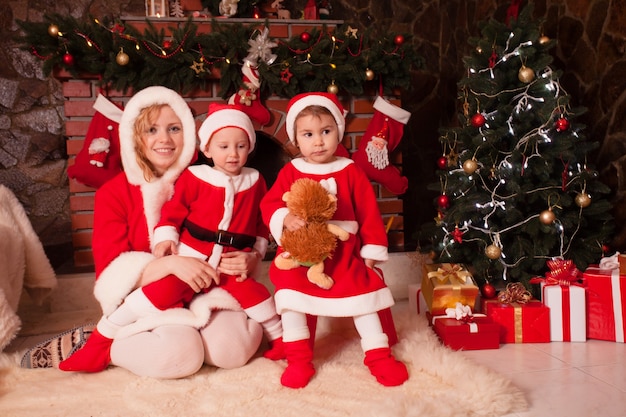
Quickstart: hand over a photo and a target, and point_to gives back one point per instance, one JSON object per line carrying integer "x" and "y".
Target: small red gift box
{"x": 520, "y": 323}
{"x": 606, "y": 302}
{"x": 476, "y": 333}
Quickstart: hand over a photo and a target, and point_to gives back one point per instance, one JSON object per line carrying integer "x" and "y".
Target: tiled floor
{"x": 564, "y": 379}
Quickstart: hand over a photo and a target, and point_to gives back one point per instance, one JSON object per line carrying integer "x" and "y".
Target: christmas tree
{"x": 516, "y": 185}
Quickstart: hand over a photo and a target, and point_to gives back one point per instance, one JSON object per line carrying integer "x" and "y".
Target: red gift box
{"x": 478, "y": 333}
{"x": 606, "y": 303}
{"x": 520, "y": 323}
{"x": 417, "y": 303}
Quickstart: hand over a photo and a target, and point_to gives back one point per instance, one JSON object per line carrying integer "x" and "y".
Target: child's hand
{"x": 370, "y": 263}
{"x": 167, "y": 247}
{"x": 293, "y": 222}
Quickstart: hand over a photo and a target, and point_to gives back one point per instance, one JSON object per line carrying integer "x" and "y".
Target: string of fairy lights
{"x": 343, "y": 57}
{"x": 523, "y": 99}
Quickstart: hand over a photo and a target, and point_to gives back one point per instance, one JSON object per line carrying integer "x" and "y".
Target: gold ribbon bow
{"x": 515, "y": 292}
{"x": 452, "y": 273}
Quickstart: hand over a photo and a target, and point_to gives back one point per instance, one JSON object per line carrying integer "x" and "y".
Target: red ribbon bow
{"x": 562, "y": 272}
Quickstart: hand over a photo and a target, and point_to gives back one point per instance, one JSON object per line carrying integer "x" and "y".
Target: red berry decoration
{"x": 68, "y": 59}
{"x": 398, "y": 40}
{"x": 562, "y": 124}
{"x": 443, "y": 201}
{"x": 488, "y": 291}
{"x": 305, "y": 37}
{"x": 442, "y": 163}
{"x": 167, "y": 44}
{"x": 478, "y": 120}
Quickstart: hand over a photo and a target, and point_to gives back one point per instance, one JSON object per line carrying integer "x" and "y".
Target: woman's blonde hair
{"x": 144, "y": 120}
{"x": 313, "y": 110}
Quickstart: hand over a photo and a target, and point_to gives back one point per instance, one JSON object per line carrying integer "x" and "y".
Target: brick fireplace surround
{"x": 80, "y": 94}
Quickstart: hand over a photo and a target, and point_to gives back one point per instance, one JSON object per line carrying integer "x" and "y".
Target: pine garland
{"x": 125, "y": 58}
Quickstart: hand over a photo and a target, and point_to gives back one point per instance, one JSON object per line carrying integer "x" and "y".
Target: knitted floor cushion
{"x": 49, "y": 353}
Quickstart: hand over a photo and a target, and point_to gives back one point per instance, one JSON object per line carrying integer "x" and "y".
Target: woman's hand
{"x": 198, "y": 274}
{"x": 370, "y": 263}
{"x": 293, "y": 222}
{"x": 167, "y": 247}
{"x": 239, "y": 263}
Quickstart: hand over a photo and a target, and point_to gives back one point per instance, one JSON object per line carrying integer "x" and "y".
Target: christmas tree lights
{"x": 516, "y": 186}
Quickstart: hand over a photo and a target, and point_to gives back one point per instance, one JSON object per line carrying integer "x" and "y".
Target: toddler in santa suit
{"x": 214, "y": 210}
{"x": 315, "y": 124}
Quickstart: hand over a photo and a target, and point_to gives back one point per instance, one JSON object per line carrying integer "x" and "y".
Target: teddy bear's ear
{"x": 286, "y": 196}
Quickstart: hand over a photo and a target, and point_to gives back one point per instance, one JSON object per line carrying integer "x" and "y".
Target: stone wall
{"x": 591, "y": 39}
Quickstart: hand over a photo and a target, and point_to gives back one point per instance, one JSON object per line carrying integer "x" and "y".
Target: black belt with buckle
{"x": 221, "y": 237}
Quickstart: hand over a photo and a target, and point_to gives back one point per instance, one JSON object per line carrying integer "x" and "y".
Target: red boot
{"x": 94, "y": 356}
{"x": 300, "y": 368}
{"x": 387, "y": 370}
{"x": 276, "y": 350}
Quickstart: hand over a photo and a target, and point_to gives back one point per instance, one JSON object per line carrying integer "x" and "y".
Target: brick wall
{"x": 80, "y": 94}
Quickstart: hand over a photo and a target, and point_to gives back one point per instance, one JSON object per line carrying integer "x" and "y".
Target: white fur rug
{"x": 442, "y": 383}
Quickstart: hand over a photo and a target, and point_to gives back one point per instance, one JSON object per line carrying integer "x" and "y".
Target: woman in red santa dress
{"x": 166, "y": 344}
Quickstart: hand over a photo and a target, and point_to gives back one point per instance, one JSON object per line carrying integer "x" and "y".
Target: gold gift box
{"x": 443, "y": 285}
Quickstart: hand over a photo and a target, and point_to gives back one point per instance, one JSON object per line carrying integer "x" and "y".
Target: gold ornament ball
{"x": 526, "y": 74}
{"x": 583, "y": 200}
{"x": 369, "y": 74}
{"x": 547, "y": 217}
{"x": 53, "y": 30}
{"x": 470, "y": 166}
{"x": 544, "y": 40}
{"x": 333, "y": 89}
{"x": 493, "y": 252}
{"x": 122, "y": 58}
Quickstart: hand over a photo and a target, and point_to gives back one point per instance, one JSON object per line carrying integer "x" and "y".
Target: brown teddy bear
{"x": 311, "y": 244}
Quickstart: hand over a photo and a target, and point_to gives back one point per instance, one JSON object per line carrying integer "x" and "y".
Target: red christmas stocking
{"x": 99, "y": 159}
{"x": 381, "y": 137}
{"x": 248, "y": 97}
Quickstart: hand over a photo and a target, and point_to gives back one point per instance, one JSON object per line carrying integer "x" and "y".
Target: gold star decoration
{"x": 198, "y": 67}
{"x": 453, "y": 157}
{"x": 351, "y": 32}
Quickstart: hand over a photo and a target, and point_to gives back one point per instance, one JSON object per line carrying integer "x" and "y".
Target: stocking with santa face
{"x": 99, "y": 159}
{"x": 382, "y": 136}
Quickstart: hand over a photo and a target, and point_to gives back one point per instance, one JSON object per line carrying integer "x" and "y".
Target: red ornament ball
{"x": 167, "y": 44}
{"x": 478, "y": 120}
{"x": 305, "y": 37}
{"x": 443, "y": 201}
{"x": 562, "y": 124}
{"x": 68, "y": 59}
{"x": 488, "y": 291}
{"x": 398, "y": 40}
{"x": 442, "y": 163}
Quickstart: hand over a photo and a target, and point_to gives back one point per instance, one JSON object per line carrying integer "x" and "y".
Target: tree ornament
{"x": 478, "y": 120}
{"x": 470, "y": 166}
{"x": 68, "y": 59}
{"x": 488, "y": 291}
{"x": 547, "y": 217}
{"x": 122, "y": 57}
{"x": 398, "y": 40}
{"x": 53, "y": 30}
{"x": 583, "y": 200}
{"x": 442, "y": 162}
{"x": 167, "y": 44}
{"x": 543, "y": 39}
{"x": 562, "y": 124}
{"x": 493, "y": 252}
{"x": 332, "y": 88}
{"x": 443, "y": 201}
{"x": 526, "y": 74}
{"x": 305, "y": 37}
{"x": 457, "y": 235}
{"x": 369, "y": 74}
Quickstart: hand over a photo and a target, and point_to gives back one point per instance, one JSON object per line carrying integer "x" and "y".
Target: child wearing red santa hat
{"x": 213, "y": 211}
{"x": 315, "y": 123}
